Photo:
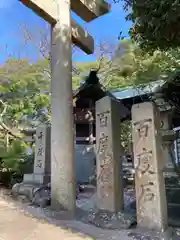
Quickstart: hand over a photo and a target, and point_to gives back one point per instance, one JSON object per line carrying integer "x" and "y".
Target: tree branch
{"x": 3, "y": 125}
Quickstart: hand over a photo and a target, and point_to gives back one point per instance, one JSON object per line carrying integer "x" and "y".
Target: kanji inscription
{"x": 103, "y": 118}
{"x": 144, "y": 163}
{"x": 149, "y": 179}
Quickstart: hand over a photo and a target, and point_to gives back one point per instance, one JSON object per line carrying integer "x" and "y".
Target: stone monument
{"x": 109, "y": 165}
{"x": 42, "y": 162}
{"x": 149, "y": 165}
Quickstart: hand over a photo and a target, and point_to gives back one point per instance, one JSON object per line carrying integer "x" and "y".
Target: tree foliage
{"x": 23, "y": 92}
{"x": 132, "y": 66}
{"x": 156, "y": 23}
{"x": 24, "y": 102}
{"x": 25, "y": 88}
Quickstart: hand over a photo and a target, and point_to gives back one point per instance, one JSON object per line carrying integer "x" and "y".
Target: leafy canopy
{"x": 25, "y": 87}
{"x": 132, "y": 66}
{"x": 23, "y": 91}
{"x": 156, "y": 23}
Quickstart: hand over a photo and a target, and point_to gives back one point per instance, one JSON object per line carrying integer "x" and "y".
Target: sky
{"x": 14, "y": 15}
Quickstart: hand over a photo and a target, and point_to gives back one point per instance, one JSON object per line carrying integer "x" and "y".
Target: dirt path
{"x": 15, "y": 224}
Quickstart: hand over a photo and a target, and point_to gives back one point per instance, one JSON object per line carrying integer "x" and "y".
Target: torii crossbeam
{"x": 65, "y": 30}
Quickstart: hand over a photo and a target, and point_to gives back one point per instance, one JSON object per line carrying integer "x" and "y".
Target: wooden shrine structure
{"x": 84, "y": 99}
{"x": 165, "y": 95}
{"x": 91, "y": 90}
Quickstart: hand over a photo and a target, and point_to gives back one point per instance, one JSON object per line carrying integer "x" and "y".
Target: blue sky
{"x": 13, "y": 15}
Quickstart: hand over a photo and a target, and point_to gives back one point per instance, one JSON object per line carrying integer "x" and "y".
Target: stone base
{"x": 169, "y": 234}
{"x": 110, "y": 220}
{"x": 35, "y": 188}
{"x": 37, "y": 178}
{"x": 24, "y": 189}
{"x": 33, "y": 193}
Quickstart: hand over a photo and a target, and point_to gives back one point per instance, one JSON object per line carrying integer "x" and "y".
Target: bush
{"x": 14, "y": 162}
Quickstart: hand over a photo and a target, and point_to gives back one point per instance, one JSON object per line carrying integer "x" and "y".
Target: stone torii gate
{"x": 63, "y": 30}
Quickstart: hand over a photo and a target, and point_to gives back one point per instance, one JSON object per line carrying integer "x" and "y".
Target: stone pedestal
{"x": 63, "y": 184}
{"x": 42, "y": 162}
{"x": 109, "y": 165}
{"x": 149, "y": 164}
{"x": 37, "y": 178}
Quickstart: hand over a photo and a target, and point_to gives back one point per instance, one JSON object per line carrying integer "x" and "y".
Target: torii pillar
{"x": 57, "y": 13}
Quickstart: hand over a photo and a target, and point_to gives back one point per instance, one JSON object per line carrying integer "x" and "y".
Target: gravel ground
{"x": 20, "y": 221}
{"x": 23, "y": 222}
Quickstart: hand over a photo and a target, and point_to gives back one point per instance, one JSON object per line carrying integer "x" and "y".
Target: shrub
{"x": 14, "y": 162}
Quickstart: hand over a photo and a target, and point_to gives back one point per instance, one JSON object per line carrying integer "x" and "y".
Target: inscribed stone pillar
{"x": 109, "y": 165}
{"x": 42, "y": 161}
{"x": 148, "y": 159}
{"x": 63, "y": 190}
{"x": 42, "y": 164}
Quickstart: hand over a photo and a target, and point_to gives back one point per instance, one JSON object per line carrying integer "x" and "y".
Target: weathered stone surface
{"x": 149, "y": 165}
{"x": 15, "y": 189}
{"x": 63, "y": 183}
{"x": 37, "y": 181}
{"x": 46, "y": 10}
{"x": 144, "y": 234}
{"x": 49, "y": 12}
{"x": 109, "y": 165}
{"x": 108, "y": 220}
{"x": 82, "y": 38}
{"x": 37, "y": 178}
{"x": 42, "y": 196}
{"x": 42, "y": 163}
{"x": 173, "y": 206}
{"x": 24, "y": 189}
{"x": 89, "y": 10}
{"x": 38, "y": 195}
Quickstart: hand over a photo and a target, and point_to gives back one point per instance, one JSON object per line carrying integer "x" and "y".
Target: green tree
{"x": 156, "y": 23}
{"x": 25, "y": 87}
{"x": 132, "y": 66}
{"x": 24, "y": 102}
{"x": 23, "y": 92}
